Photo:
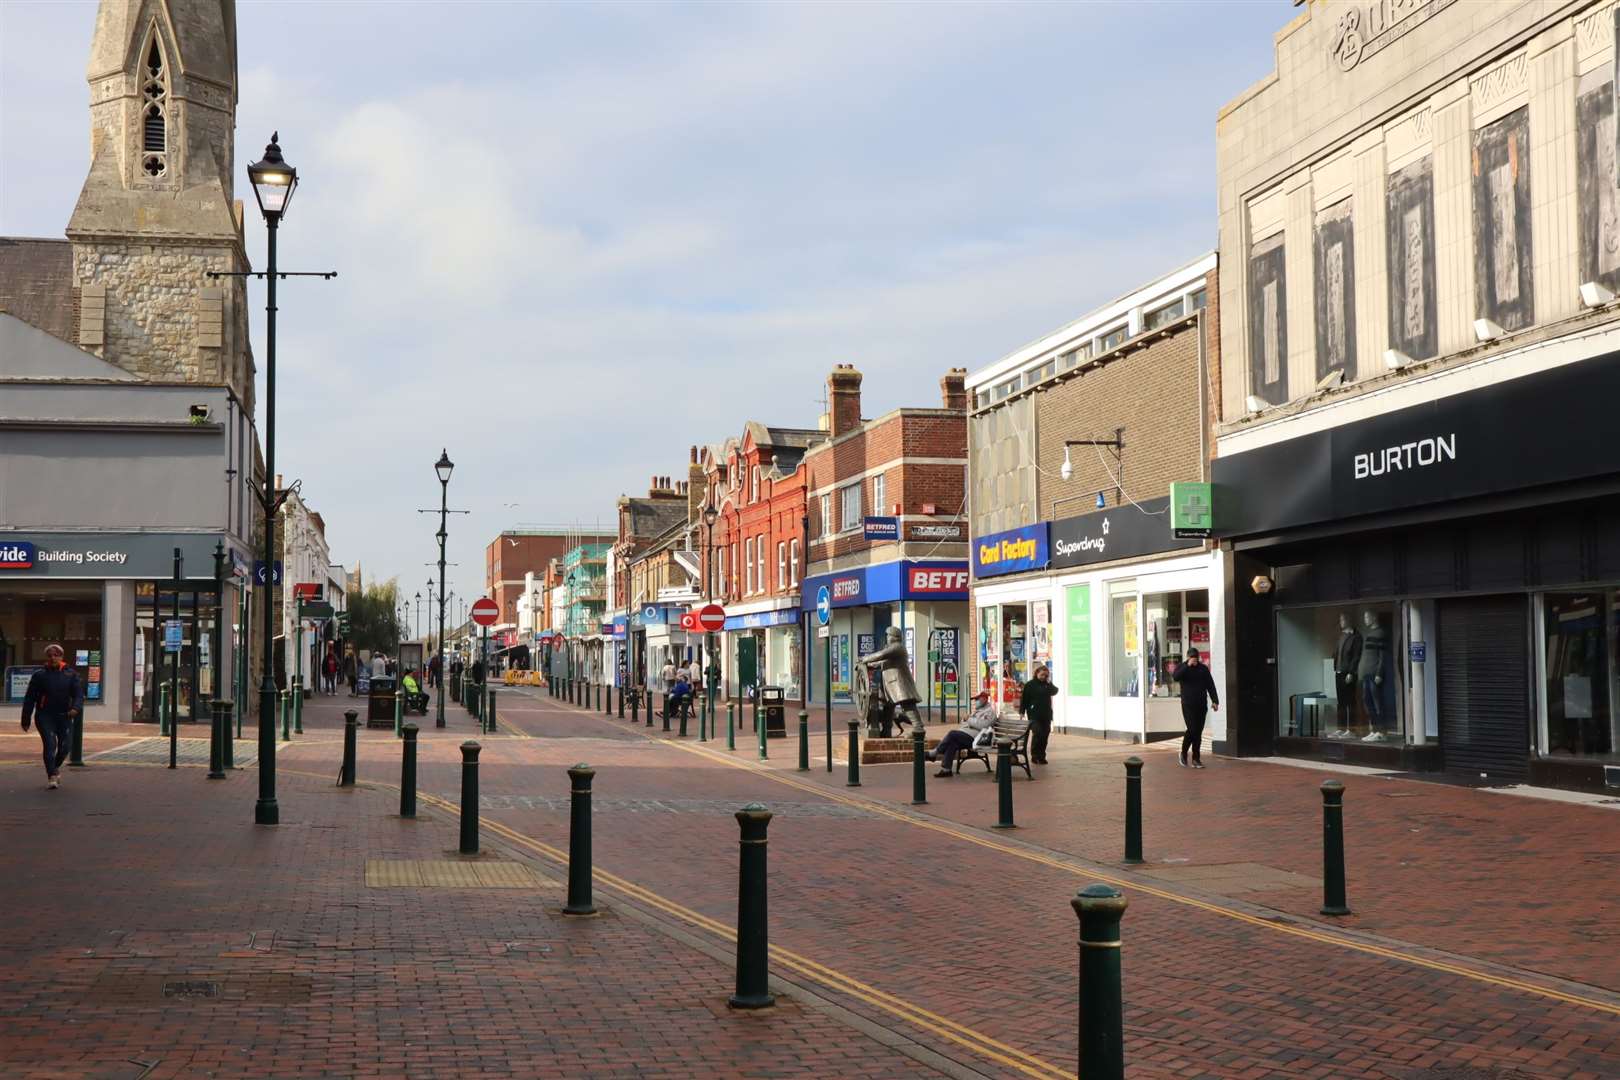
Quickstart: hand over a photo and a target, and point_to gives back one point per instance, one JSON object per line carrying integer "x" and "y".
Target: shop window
{"x": 1579, "y": 686}
{"x": 33, "y": 616}
{"x": 1125, "y": 646}
{"x": 826, "y": 515}
{"x": 880, "y": 494}
{"x": 748, "y": 565}
{"x": 781, "y": 565}
{"x": 793, "y": 563}
{"x": 1172, "y": 622}
{"x": 1337, "y": 675}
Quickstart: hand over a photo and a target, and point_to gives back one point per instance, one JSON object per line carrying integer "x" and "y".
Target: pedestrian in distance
{"x": 329, "y": 668}
{"x": 668, "y": 674}
{"x": 379, "y": 665}
{"x": 1198, "y": 696}
{"x": 436, "y": 670}
{"x": 53, "y": 698}
{"x": 1035, "y": 705}
{"x": 973, "y": 731}
{"x": 351, "y": 669}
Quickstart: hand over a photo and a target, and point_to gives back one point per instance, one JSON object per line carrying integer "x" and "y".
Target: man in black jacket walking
{"x": 1035, "y": 703}
{"x": 1198, "y": 695}
{"x": 55, "y": 697}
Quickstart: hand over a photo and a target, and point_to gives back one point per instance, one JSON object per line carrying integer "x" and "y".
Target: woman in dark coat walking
{"x": 1035, "y": 704}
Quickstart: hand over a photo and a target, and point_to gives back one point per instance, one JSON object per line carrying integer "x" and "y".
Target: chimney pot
{"x": 844, "y": 399}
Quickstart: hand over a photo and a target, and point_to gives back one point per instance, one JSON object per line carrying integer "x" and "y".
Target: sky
{"x": 575, "y": 240}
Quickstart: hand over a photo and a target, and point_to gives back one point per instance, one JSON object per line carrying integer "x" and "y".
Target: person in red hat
{"x": 980, "y": 723}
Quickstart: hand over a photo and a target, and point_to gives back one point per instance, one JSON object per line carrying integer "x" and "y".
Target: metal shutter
{"x": 1484, "y": 693}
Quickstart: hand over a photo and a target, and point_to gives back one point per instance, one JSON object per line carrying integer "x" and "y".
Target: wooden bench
{"x": 1013, "y": 728}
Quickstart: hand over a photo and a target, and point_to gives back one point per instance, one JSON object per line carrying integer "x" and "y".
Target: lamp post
{"x": 273, "y": 184}
{"x": 417, "y": 625}
{"x": 443, "y": 467}
{"x": 711, "y": 665}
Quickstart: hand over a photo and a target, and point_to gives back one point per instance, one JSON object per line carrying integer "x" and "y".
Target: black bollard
{"x": 804, "y": 741}
{"x": 346, "y": 773}
{"x": 579, "y": 841}
{"x": 407, "y": 774}
{"x": 489, "y": 724}
{"x": 1133, "y": 809}
{"x": 1004, "y": 807}
{"x": 919, "y": 772}
{"x": 666, "y": 711}
{"x": 686, "y": 710}
{"x": 469, "y": 798}
{"x": 621, "y": 703}
{"x": 1102, "y": 1007}
{"x": 1333, "y": 900}
{"x": 228, "y": 743}
{"x": 635, "y": 709}
{"x": 854, "y": 754}
{"x": 753, "y": 932}
{"x": 217, "y": 734}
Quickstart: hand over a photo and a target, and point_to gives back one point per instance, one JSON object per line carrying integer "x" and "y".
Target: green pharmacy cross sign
{"x": 1192, "y": 510}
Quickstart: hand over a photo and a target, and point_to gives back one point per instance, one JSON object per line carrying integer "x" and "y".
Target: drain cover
{"x": 190, "y": 988}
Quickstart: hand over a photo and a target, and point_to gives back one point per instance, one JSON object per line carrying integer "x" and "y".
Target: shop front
{"x": 927, "y": 600}
{"x": 109, "y": 599}
{"x": 1110, "y": 603}
{"x": 763, "y": 647}
{"x": 664, "y": 642}
{"x": 1437, "y": 587}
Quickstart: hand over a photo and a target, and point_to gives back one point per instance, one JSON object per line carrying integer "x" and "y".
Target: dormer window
{"x": 154, "y": 114}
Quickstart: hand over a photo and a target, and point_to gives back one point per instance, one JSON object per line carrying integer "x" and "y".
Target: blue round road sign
{"x": 823, "y": 605}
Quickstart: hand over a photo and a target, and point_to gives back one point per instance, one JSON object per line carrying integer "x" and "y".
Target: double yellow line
{"x": 1137, "y": 885}
{"x": 934, "y": 1024}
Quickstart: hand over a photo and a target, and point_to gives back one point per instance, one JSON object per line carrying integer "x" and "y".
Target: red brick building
{"x": 886, "y": 502}
{"x": 516, "y": 552}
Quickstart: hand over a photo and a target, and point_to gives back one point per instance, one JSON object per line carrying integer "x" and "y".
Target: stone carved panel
{"x": 1410, "y": 260}
{"x": 1268, "y": 321}
{"x": 1410, "y": 135}
{"x": 1501, "y": 183}
{"x": 1599, "y": 212}
{"x": 1335, "y": 291}
{"x": 1503, "y": 83}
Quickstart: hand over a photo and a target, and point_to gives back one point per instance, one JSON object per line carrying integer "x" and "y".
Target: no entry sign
{"x": 712, "y": 617}
{"x": 485, "y": 611}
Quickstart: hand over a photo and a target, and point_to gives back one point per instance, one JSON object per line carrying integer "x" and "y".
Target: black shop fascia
{"x": 1437, "y": 587}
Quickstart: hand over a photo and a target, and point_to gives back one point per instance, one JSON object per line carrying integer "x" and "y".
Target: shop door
{"x": 1484, "y": 693}
{"x": 747, "y": 662}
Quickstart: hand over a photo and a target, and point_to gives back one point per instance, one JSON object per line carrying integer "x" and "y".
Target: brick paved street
{"x": 199, "y": 945}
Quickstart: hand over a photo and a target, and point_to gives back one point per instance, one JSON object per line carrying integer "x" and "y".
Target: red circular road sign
{"x": 712, "y": 617}
{"x": 485, "y": 611}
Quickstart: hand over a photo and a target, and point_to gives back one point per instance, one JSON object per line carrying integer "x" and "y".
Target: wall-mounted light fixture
{"x": 1486, "y": 330}
{"x": 1394, "y": 359}
{"x": 1595, "y": 295}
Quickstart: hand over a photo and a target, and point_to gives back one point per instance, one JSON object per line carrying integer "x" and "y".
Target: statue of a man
{"x": 898, "y": 685}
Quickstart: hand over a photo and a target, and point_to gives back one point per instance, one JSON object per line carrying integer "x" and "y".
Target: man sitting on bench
{"x": 962, "y": 737}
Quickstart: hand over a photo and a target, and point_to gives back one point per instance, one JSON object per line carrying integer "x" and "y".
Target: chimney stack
{"x": 953, "y": 390}
{"x": 697, "y": 486}
{"x": 843, "y": 399}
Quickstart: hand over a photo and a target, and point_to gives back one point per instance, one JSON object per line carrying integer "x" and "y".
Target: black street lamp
{"x": 274, "y": 182}
{"x": 443, "y": 467}
{"x": 417, "y": 625}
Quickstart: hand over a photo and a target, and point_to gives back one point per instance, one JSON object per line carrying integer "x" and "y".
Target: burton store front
{"x": 110, "y": 600}
{"x": 926, "y": 600}
{"x": 1110, "y": 602}
{"x": 1437, "y": 586}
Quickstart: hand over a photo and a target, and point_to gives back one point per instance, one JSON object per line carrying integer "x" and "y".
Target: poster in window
{"x": 1335, "y": 292}
{"x": 1409, "y": 225}
{"x": 1040, "y": 629}
{"x": 1502, "y": 283}
{"x": 1268, "y": 327}
{"x": 1599, "y": 211}
{"x": 1077, "y": 638}
{"x": 841, "y": 668}
{"x": 1131, "y": 629}
{"x": 1198, "y": 633}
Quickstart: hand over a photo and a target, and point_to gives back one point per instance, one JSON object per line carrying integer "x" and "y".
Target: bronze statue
{"x": 897, "y": 701}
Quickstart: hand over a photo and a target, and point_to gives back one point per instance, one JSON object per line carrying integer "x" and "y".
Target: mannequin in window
{"x": 1346, "y": 667}
{"x": 1374, "y": 660}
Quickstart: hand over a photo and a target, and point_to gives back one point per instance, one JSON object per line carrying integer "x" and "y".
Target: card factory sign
{"x": 1367, "y": 27}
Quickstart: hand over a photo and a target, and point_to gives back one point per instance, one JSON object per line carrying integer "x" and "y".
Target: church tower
{"x": 157, "y": 211}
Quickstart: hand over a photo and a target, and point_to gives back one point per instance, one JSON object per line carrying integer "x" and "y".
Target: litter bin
{"x": 774, "y": 701}
{"x": 380, "y": 702}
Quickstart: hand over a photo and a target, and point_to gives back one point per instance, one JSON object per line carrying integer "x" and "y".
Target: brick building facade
{"x": 518, "y": 552}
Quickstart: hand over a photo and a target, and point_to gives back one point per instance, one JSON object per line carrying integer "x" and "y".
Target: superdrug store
{"x": 1428, "y": 578}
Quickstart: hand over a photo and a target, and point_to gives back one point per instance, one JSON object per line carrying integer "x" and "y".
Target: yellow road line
{"x": 1137, "y": 885}
{"x": 900, "y": 1008}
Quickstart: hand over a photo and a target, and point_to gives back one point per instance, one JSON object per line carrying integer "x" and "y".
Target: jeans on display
{"x": 1372, "y": 698}
{"x": 1345, "y": 683}
{"x": 1193, "y": 741}
{"x": 56, "y": 732}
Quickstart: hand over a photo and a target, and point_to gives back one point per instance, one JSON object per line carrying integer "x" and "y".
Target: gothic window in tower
{"x": 154, "y": 114}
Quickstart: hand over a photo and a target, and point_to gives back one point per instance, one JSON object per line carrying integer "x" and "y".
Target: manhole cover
{"x": 190, "y": 988}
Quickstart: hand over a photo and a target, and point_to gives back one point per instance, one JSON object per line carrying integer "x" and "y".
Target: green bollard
{"x": 346, "y": 774}
{"x": 919, "y": 773}
{"x": 286, "y": 716}
{"x": 1102, "y": 1007}
{"x": 399, "y": 710}
{"x": 469, "y": 798}
{"x": 1004, "y": 805}
{"x": 621, "y": 703}
{"x": 804, "y": 741}
{"x": 163, "y": 710}
{"x": 1133, "y": 809}
{"x": 76, "y": 748}
{"x": 731, "y": 727}
{"x": 218, "y": 732}
{"x": 298, "y": 709}
{"x": 703, "y": 721}
{"x": 753, "y": 931}
{"x": 407, "y": 774}
{"x": 854, "y": 754}
{"x": 1333, "y": 899}
{"x": 579, "y": 841}
{"x": 489, "y": 724}
{"x": 759, "y": 731}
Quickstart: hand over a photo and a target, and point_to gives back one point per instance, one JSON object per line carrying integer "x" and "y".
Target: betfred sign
{"x": 932, "y": 580}
{"x": 307, "y": 590}
{"x": 16, "y": 555}
{"x": 846, "y": 588}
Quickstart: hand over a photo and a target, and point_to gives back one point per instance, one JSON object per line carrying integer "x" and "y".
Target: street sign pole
{"x": 174, "y": 670}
